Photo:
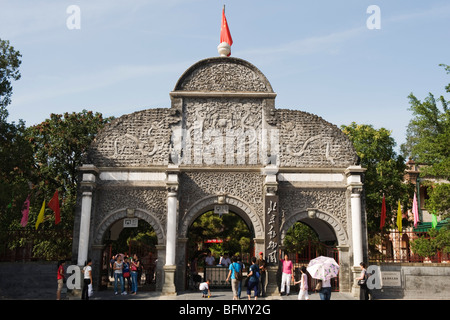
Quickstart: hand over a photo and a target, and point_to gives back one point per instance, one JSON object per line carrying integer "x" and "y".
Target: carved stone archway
{"x": 118, "y": 214}
{"x": 238, "y": 206}
{"x": 327, "y": 221}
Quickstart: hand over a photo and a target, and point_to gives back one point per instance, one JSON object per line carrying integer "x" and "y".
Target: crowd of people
{"x": 256, "y": 280}
{"x": 124, "y": 268}
{"x": 127, "y": 272}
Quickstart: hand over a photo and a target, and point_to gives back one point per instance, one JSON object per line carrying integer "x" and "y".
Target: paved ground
{"x": 215, "y": 295}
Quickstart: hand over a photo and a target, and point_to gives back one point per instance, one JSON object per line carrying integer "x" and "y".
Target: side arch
{"x": 118, "y": 214}
{"x": 323, "y": 223}
{"x": 238, "y": 206}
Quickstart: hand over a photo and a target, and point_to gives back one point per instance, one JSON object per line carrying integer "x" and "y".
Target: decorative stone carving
{"x": 310, "y": 141}
{"x": 113, "y": 198}
{"x": 195, "y": 186}
{"x": 138, "y": 139}
{"x": 331, "y": 201}
{"x": 223, "y": 74}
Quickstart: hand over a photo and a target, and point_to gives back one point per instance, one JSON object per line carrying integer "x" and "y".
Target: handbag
{"x": 361, "y": 282}
{"x": 319, "y": 286}
{"x": 126, "y": 274}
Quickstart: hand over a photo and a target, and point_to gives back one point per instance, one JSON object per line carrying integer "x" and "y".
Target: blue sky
{"x": 319, "y": 56}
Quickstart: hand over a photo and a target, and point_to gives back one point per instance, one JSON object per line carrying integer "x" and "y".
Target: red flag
{"x": 54, "y": 205}
{"x": 225, "y": 35}
{"x": 25, "y": 211}
{"x": 383, "y": 213}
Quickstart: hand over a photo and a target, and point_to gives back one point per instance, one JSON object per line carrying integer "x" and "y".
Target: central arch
{"x": 326, "y": 226}
{"x": 238, "y": 206}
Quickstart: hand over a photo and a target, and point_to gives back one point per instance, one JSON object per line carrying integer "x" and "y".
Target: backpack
{"x": 237, "y": 275}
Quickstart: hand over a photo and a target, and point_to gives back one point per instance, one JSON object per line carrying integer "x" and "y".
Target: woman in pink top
{"x": 286, "y": 274}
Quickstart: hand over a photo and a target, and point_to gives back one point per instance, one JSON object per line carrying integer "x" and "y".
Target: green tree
{"x": 428, "y": 143}
{"x": 384, "y": 175}
{"x": 229, "y": 227}
{"x": 9, "y": 70}
{"x": 40, "y": 160}
{"x": 298, "y": 237}
{"x": 59, "y": 145}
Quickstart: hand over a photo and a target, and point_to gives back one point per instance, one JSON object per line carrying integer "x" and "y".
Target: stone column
{"x": 355, "y": 186}
{"x": 87, "y": 186}
{"x": 271, "y": 228}
{"x": 171, "y": 233}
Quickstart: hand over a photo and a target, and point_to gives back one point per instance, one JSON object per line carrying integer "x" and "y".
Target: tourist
{"x": 60, "y": 279}
{"x": 239, "y": 261}
{"x": 325, "y": 290}
{"x": 261, "y": 262}
{"x": 253, "y": 279}
{"x": 204, "y": 288}
{"x": 303, "y": 293}
{"x": 87, "y": 279}
{"x": 225, "y": 260}
{"x": 362, "y": 282}
{"x": 135, "y": 266}
{"x": 209, "y": 260}
{"x": 286, "y": 274}
{"x": 126, "y": 273}
{"x": 235, "y": 275}
{"x": 111, "y": 265}
{"x": 118, "y": 275}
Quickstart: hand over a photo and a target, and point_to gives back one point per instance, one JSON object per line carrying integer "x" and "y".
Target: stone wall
{"x": 416, "y": 281}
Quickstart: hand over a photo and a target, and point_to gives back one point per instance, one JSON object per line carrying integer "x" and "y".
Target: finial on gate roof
{"x": 224, "y": 48}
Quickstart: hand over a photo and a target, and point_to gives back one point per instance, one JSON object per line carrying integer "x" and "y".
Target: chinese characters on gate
{"x": 271, "y": 229}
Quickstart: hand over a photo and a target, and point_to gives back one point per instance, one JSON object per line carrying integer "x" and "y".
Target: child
{"x": 303, "y": 294}
{"x": 204, "y": 288}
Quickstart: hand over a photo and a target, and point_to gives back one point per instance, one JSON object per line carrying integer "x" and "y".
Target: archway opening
{"x": 306, "y": 240}
{"x": 131, "y": 238}
{"x": 213, "y": 239}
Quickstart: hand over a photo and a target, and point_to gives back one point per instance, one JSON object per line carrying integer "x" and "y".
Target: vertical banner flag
{"x": 415, "y": 211}
{"x": 54, "y": 205}
{"x": 41, "y": 215}
{"x": 225, "y": 35}
{"x": 434, "y": 220}
{"x": 383, "y": 213}
{"x": 399, "y": 217}
{"x": 25, "y": 211}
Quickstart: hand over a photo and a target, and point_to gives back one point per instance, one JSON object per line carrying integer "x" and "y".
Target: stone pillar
{"x": 355, "y": 186}
{"x": 87, "y": 186}
{"x": 171, "y": 233}
{"x": 271, "y": 228}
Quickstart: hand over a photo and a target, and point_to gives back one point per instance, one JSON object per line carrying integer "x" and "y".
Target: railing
{"x": 18, "y": 245}
{"x": 395, "y": 247}
{"x": 311, "y": 251}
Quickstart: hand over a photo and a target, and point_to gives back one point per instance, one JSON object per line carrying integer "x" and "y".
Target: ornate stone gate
{"x": 222, "y": 142}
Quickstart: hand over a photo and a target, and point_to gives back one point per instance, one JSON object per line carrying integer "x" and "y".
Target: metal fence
{"x": 19, "y": 245}
{"x": 395, "y": 247}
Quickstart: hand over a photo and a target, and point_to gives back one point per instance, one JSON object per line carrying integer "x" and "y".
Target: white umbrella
{"x": 323, "y": 268}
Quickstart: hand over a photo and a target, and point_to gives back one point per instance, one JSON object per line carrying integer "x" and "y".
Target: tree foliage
{"x": 298, "y": 237}
{"x": 384, "y": 175}
{"x": 428, "y": 143}
{"x": 229, "y": 227}
{"x": 9, "y": 70}
{"x": 37, "y": 161}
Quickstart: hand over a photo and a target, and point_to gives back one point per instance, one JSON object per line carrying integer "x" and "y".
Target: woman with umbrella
{"x": 324, "y": 269}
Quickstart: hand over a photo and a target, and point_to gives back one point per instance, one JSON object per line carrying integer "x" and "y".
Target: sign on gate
{"x": 130, "y": 222}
